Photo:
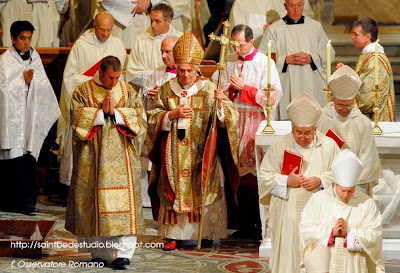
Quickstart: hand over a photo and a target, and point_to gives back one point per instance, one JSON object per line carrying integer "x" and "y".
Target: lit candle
{"x": 328, "y": 61}
{"x": 377, "y": 62}
{"x": 269, "y": 63}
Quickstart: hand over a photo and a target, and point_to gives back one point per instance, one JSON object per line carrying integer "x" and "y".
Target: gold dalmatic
{"x": 365, "y": 99}
{"x": 105, "y": 198}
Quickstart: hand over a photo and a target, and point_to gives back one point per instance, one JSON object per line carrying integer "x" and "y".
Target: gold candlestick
{"x": 328, "y": 94}
{"x": 268, "y": 130}
{"x": 377, "y": 130}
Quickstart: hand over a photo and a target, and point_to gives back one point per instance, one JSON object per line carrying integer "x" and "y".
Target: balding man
{"x": 83, "y": 61}
{"x": 300, "y": 46}
{"x": 163, "y": 73}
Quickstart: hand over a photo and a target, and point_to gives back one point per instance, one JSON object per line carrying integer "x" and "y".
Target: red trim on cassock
{"x": 331, "y": 240}
{"x": 248, "y": 95}
{"x": 93, "y": 132}
{"x": 125, "y": 131}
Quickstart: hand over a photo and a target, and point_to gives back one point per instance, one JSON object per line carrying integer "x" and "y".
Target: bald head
{"x": 166, "y": 50}
{"x": 103, "y": 24}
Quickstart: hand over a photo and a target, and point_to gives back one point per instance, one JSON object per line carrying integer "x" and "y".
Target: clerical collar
{"x": 289, "y": 21}
{"x": 162, "y": 36}
{"x": 24, "y": 55}
{"x": 339, "y": 117}
{"x": 371, "y": 48}
{"x": 97, "y": 42}
{"x": 249, "y": 56}
{"x": 311, "y": 145}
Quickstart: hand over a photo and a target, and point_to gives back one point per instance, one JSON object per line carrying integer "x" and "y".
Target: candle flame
{"x": 329, "y": 42}
{"x": 269, "y": 42}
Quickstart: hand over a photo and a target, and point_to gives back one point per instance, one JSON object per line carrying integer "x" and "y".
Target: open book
{"x": 290, "y": 161}
{"x": 339, "y": 141}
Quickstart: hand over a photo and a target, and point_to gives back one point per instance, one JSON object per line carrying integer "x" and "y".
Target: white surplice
{"x": 145, "y": 55}
{"x": 254, "y": 73}
{"x": 289, "y": 39}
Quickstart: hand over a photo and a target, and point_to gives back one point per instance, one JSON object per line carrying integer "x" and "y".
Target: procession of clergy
{"x": 152, "y": 115}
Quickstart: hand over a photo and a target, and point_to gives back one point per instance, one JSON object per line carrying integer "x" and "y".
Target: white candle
{"x": 328, "y": 61}
{"x": 377, "y": 62}
{"x": 269, "y": 63}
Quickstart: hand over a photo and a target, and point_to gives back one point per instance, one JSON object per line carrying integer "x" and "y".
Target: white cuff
{"x": 221, "y": 116}
{"x": 99, "y": 118}
{"x": 261, "y": 98}
{"x": 352, "y": 243}
{"x": 119, "y": 119}
{"x": 166, "y": 124}
{"x": 281, "y": 189}
{"x": 323, "y": 184}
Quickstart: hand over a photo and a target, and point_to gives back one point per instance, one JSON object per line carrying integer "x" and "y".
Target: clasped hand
{"x": 300, "y": 58}
{"x": 340, "y": 228}
{"x": 108, "y": 105}
{"x": 298, "y": 180}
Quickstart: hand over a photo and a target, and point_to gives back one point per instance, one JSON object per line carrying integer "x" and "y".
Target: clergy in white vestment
{"x": 300, "y": 46}
{"x": 163, "y": 73}
{"x": 145, "y": 55}
{"x": 44, "y": 15}
{"x": 257, "y": 13}
{"x": 178, "y": 122}
{"x": 346, "y": 220}
{"x": 28, "y": 110}
{"x": 83, "y": 61}
{"x": 287, "y": 195}
{"x": 346, "y": 120}
{"x": 244, "y": 81}
{"x": 128, "y": 27}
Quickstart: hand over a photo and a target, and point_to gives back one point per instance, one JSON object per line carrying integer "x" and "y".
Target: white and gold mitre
{"x": 304, "y": 111}
{"x": 188, "y": 49}
{"x": 346, "y": 169}
{"x": 344, "y": 83}
{"x": 316, "y": 258}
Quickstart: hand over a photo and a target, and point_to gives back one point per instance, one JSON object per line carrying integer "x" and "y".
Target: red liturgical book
{"x": 91, "y": 71}
{"x": 290, "y": 161}
{"x": 335, "y": 137}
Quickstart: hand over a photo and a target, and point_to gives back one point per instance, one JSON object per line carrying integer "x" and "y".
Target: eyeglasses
{"x": 305, "y": 135}
{"x": 347, "y": 106}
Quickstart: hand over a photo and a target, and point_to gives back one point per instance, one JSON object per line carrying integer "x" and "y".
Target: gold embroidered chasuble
{"x": 178, "y": 183}
{"x": 105, "y": 197}
{"x": 365, "y": 99}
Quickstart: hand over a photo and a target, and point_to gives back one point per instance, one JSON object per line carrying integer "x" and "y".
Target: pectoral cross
{"x": 224, "y": 41}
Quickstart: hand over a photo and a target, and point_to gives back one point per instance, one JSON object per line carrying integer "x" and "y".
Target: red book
{"x": 91, "y": 71}
{"x": 291, "y": 161}
{"x": 335, "y": 137}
